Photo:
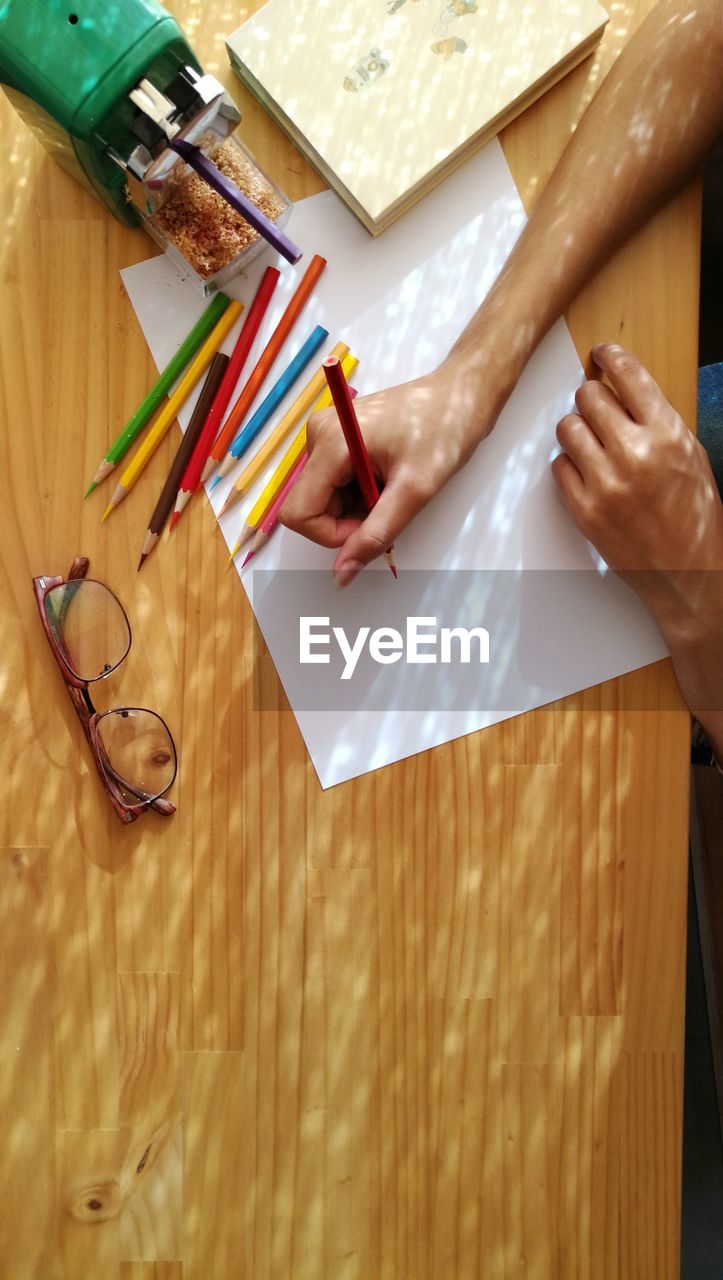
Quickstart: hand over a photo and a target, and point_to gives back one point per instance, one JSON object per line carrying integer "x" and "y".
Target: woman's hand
{"x": 640, "y": 488}
{"x": 417, "y": 435}
{"x": 637, "y": 482}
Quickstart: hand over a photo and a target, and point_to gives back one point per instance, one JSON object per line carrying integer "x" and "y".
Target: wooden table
{"x": 425, "y": 1026}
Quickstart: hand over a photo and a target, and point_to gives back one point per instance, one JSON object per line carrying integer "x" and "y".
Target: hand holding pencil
{"x": 417, "y": 435}
{"x": 360, "y": 460}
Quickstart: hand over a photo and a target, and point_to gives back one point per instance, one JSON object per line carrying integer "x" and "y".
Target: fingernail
{"x": 346, "y": 573}
{"x": 601, "y": 347}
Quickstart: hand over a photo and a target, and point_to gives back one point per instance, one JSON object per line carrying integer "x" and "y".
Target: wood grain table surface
{"x": 425, "y": 1026}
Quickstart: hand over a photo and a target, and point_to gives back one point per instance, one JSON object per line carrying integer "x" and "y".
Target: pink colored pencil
{"x": 257, "y": 310}
{"x": 271, "y": 518}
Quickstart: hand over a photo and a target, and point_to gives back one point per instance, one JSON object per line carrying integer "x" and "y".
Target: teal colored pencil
{"x": 172, "y": 371}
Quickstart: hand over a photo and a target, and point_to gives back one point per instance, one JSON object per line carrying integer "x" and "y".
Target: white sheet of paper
{"x": 400, "y": 301}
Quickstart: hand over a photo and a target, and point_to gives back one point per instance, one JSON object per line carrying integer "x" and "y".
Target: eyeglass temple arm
{"x": 78, "y": 569}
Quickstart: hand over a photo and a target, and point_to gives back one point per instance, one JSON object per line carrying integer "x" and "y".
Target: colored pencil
{"x": 168, "y": 413}
{"x": 164, "y": 506}
{"x": 271, "y": 519}
{"x": 285, "y": 466}
{"x": 302, "y": 404}
{"x": 192, "y": 477}
{"x": 264, "y": 363}
{"x": 270, "y": 404}
{"x": 360, "y": 461}
{"x": 172, "y": 371}
{"x": 207, "y": 170}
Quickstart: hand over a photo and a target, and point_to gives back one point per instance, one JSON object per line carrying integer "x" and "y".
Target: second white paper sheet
{"x": 481, "y": 553}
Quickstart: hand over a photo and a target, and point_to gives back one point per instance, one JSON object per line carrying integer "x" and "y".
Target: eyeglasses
{"x": 87, "y": 629}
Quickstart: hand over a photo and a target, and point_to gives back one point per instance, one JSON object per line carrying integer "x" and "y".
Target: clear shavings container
{"x": 208, "y": 241}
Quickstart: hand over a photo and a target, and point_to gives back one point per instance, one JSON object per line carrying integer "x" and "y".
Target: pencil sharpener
{"x": 105, "y": 87}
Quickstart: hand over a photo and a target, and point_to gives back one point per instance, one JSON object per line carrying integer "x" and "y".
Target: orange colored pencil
{"x": 265, "y": 361}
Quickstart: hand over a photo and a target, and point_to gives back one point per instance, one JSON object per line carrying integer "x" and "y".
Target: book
{"x": 385, "y": 97}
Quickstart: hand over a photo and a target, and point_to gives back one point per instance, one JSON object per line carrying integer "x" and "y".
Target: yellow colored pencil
{"x": 169, "y": 411}
{"x": 289, "y": 460}
{"x": 302, "y": 404}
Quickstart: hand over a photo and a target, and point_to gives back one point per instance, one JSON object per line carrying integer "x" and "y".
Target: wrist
{"x": 695, "y": 641}
{"x": 491, "y": 353}
{"x": 686, "y": 599}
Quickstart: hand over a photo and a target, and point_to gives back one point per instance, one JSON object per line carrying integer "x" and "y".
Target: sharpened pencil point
{"x": 141, "y": 563}
{"x": 235, "y": 551}
{"x": 230, "y": 502}
{"x": 90, "y": 488}
{"x": 249, "y": 556}
{"x": 389, "y": 557}
{"x": 174, "y": 521}
{"x": 107, "y": 512}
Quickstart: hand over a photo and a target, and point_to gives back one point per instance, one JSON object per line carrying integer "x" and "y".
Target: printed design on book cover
{"x": 375, "y": 63}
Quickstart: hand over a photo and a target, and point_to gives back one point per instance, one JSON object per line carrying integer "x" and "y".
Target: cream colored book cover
{"x": 384, "y": 95}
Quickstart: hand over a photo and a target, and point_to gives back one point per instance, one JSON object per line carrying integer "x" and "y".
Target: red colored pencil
{"x": 360, "y": 461}
{"x": 257, "y": 310}
{"x": 265, "y": 361}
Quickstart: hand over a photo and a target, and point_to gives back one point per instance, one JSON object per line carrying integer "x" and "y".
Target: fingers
{"x": 569, "y": 482}
{"x": 580, "y": 443}
{"x": 603, "y": 412}
{"x": 636, "y": 388}
{"x": 313, "y": 508}
{"x": 398, "y": 504}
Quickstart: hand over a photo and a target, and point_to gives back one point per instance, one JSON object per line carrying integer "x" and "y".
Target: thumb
{"x": 398, "y": 503}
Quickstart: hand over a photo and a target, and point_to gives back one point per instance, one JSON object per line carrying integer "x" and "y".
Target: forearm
{"x": 702, "y": 672}
{"x": 693, "y": 630}
{"x": 698, "y": 659}
{"x": 656, "y": 115}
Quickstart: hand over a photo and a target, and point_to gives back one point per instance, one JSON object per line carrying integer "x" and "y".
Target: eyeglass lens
{"x": 139, "y": 751}
{"x": 89, "y": 627}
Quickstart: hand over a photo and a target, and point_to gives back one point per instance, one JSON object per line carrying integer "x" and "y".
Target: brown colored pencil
{"x": 164, "y": 506}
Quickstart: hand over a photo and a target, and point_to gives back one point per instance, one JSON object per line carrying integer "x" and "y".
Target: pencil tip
{"x": 396, "y": 575}
{"x": 174, "y": 521}
{"x": 247, "y": 558}
{"x": 90, "y": 488}
{"x": 216, "y": 480}
{"x": 107, "y": 512}
{"x": 141, "y": 563}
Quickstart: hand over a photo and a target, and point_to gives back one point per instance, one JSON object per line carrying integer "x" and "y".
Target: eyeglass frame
{"x": 86, "y": 712}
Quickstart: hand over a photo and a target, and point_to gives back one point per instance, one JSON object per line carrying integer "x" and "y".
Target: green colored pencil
{"x": 173, "y": 369}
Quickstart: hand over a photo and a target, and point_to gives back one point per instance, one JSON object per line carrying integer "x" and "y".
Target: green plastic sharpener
{"x": 104, "y": 84}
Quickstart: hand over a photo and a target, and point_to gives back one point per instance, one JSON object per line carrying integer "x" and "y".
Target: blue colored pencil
{"x": 248, "y": 434}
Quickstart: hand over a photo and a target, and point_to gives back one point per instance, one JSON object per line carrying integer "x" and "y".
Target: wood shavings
{"x": 199, "y": 222}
